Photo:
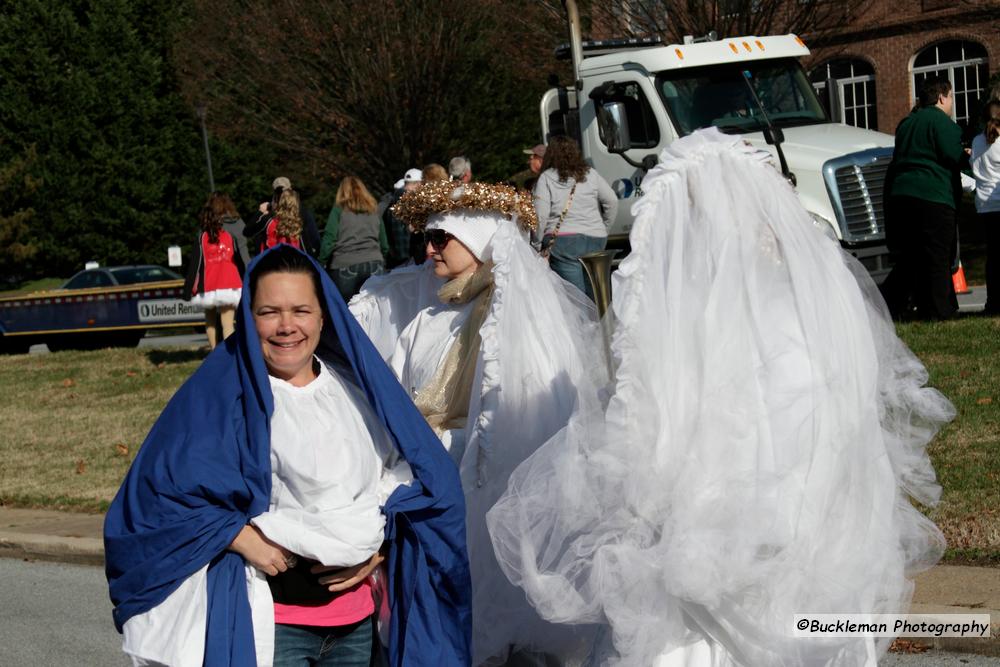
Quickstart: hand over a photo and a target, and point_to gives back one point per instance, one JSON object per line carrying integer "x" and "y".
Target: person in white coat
{"x": 986, "y": 170}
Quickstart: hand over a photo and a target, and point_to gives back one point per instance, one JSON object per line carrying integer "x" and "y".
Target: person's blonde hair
{"x": 435, "y": 172}
{"x": 289, "y": 215}
{"x": 352, "y": 195}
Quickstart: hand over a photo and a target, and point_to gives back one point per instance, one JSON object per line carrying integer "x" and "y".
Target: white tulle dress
{"x": 765, "y": 433}
{"x": 539, "y": 361}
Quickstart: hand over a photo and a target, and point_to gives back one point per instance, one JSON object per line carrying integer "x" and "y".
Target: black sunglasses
{"x": 438, "y": 238}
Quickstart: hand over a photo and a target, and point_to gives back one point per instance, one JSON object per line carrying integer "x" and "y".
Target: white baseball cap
{"x": 411, "y": 176}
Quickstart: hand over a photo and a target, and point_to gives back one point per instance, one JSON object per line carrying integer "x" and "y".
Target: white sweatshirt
{"x": 986, "y": 169}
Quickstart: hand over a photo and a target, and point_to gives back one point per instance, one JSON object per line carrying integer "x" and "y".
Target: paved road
{"x": 974, "y": 301}
{"x": 938, "y": 659}
{"x": 56, "y": 615}
{"x": 60, "y": 616}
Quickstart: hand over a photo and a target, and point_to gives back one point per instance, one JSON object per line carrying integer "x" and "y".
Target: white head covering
{"x": 475, "y": 229}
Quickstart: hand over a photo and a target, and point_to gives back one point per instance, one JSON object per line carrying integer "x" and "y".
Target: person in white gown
{"x": 764, "y": 436}
{"x": 497, "y": 351}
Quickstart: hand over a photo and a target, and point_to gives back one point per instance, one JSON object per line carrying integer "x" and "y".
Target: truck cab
{"x": 630, "y": 101}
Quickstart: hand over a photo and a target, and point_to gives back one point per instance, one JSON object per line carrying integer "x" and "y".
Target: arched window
{"x": 853, "y": 94}
{"x": 964, "y": 63}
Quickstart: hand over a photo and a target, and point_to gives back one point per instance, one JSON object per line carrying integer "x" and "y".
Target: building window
{"x": 965, "y": 65}
{"x": 854, "y": 93}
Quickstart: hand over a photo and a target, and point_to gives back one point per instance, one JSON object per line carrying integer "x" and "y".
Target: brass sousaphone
{"x": 597, "y": 266}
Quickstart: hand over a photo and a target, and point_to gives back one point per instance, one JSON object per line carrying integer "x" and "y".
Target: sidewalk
{"x": 76, "y": 538}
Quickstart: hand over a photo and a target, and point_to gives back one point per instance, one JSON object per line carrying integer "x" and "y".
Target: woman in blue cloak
{"x": 251, "y": 524}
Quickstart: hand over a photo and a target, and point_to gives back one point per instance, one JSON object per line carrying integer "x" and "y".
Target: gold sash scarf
{"x": 444, "y": 401}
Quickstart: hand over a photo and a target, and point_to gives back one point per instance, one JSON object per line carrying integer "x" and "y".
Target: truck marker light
{"x": 680, "y": 54}
{"x": 733, "y": 47}
{"x": 799, "y": 40}
{"x": 747, "y": 46}
{"x": 90, "y": 322}
{"x": 759, "y": 45}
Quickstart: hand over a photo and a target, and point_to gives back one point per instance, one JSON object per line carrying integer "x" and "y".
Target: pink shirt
{"x": 353, "y": 605}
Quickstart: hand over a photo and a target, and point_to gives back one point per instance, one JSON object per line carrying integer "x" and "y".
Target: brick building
{"x": 884, "y": 48}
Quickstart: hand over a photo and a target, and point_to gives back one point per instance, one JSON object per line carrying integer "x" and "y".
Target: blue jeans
{"x": 565, "y": 257}
{"x": 350, "y": 278}
{"x": 310, "y": 646}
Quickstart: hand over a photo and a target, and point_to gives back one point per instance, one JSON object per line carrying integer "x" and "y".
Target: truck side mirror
{"x": 614, "y": 126}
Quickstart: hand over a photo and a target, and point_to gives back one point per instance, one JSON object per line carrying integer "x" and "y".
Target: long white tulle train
{"x": 765, "y": 431}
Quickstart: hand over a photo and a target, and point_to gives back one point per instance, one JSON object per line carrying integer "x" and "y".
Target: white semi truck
{"x": 629, "y": 100}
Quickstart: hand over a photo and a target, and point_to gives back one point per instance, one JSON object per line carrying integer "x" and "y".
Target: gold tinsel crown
{"x": 432, "y": 197}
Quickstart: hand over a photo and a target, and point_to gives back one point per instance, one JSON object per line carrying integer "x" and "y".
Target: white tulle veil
{"x": 765, "y": 432}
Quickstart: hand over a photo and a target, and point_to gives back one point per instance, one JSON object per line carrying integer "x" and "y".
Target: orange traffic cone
{"x": 958, "y": 280}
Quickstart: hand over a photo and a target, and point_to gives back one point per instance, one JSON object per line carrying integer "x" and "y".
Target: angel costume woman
{"x": 497, "y": 352}
{"x": 764, "y": 435}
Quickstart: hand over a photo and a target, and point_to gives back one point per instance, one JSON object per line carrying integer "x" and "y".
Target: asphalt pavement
{"x": 39, "y": 535}
{"x": 59, "y": 615}
{"x": 56, "y": 615}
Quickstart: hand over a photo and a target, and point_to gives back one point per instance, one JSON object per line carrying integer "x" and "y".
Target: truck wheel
{"x": 58, "y": 343}
{"x": 15, "y": 344}
{"x": 130, "y": 338}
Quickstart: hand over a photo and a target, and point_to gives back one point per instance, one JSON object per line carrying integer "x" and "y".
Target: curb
{"x": 75, "y": 550}
{"x": 988, "y": 646}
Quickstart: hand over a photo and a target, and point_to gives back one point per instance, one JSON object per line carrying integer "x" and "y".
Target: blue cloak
{"x": 204, "y": 471}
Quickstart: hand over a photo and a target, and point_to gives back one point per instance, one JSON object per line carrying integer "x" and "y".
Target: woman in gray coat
{"x": 354, "y": 242}
{"x": 575, "y": 210}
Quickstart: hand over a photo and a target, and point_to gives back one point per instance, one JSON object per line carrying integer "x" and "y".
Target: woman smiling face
{"x": 288, "y": 318}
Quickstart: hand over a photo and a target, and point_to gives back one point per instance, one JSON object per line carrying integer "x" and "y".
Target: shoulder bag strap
{"x": 562, "y": 216}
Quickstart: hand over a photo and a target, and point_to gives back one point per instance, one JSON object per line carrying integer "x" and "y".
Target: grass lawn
{"x": 73, "y": 421}
{"x": 33, "y": 286}
{"x": 963, "y": 357}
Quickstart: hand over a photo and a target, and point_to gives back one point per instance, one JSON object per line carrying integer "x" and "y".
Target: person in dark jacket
{"x": 397, "y": 233}
{"x": 923, "y": 188}
{"x": 354, "y": 243}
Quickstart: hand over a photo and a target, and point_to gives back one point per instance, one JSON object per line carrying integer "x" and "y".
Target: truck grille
{"x": 856, "y": 186}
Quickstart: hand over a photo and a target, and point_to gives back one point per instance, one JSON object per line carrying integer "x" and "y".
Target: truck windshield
{"x": 718, "y": 95}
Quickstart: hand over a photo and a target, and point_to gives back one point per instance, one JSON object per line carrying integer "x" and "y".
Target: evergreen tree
{"x": 87, "y": 84}
{"x": 16, "y": 187}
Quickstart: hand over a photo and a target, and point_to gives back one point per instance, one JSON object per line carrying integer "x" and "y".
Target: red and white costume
{"x": 218, "y": 280}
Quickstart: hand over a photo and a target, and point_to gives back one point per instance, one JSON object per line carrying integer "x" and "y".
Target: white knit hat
{"x": 475, "y": 229}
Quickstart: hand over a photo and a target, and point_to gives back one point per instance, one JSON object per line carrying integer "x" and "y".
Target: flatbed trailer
{"x": 94, "y": 317}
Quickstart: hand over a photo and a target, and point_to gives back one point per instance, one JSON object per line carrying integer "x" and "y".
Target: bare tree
{"x": 368, "y": 88}
{"x": 671, "y": 20}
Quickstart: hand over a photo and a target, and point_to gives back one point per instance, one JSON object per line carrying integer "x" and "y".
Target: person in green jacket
{"x": 354, "y": 244}
{"x": 923, "y": 188}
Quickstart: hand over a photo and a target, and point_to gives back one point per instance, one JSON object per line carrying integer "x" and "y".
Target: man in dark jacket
{"x": 923, "y": 188}
{"x": 399, "y": 236}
